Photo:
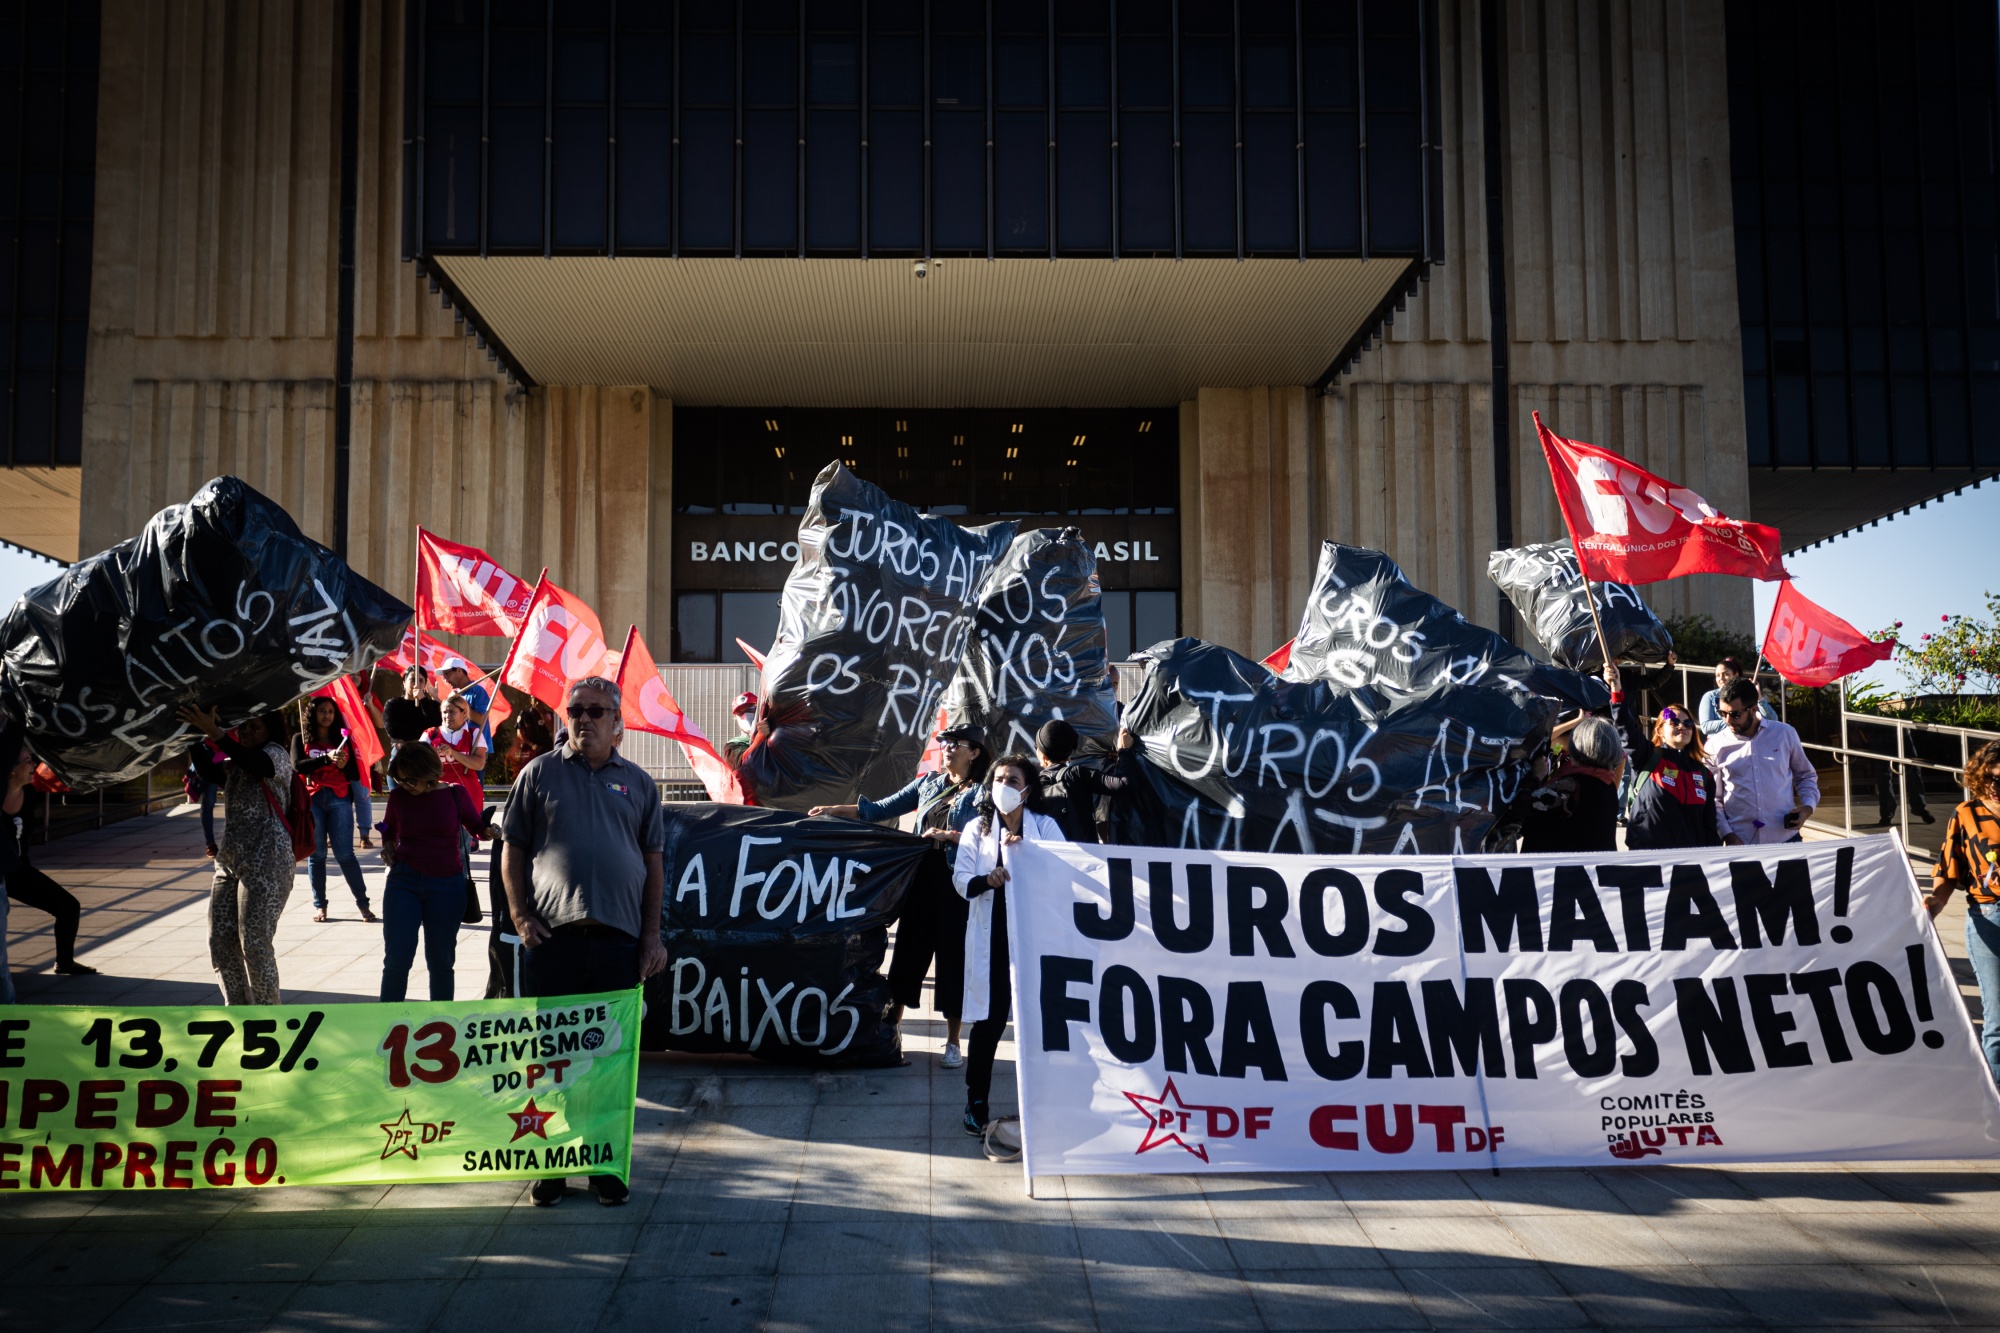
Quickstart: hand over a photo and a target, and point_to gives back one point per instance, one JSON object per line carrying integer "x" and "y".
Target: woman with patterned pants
{"x": 254, "y": 867}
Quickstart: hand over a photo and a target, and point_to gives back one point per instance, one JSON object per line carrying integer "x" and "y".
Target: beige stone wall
{"x": 1622, "y": 318}
{"x": 213, "y": 320}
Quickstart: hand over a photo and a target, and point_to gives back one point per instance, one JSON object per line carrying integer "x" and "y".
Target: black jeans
{"x": 580, "y": 959}
{"x": 932, "y": 924}
{"x": 31, "y": 888}
{"x": 986, "y": 1033}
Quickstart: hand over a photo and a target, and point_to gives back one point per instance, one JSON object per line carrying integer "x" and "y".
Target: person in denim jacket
{"x": 932, "y": 924}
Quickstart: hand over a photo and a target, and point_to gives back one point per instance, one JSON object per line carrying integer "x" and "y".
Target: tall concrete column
{"x": 1247, "y": 527}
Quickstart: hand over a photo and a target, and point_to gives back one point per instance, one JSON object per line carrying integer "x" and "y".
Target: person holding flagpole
{"x": 323, "y": 754}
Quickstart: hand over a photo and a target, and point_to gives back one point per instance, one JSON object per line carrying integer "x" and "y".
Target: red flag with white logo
{"x": 1809, "y": 645}
{"x": 461, "y": 590}
{"x": 649, "y": 706}
{"x": 1630, "y": 526}
{"x": 417, "y": 645}
{"x": 360, "y": 725}
{"x": 560, "y": 641}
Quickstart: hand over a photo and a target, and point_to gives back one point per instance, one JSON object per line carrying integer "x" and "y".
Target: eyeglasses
{"x": 591, "y": 711}
{"x": 1673, "y": 717}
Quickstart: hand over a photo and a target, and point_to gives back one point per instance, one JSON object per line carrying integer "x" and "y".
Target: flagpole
{"x": 1603, "y": 644}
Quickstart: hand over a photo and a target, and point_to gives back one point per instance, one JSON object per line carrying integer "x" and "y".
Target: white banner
{"x": 1181, "y": 1010}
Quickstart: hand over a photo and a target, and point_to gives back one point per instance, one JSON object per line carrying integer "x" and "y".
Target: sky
{"x": 1915, "y": 568}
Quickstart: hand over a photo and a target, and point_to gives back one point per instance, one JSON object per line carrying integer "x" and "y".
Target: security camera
{"x": 921, "y": 269}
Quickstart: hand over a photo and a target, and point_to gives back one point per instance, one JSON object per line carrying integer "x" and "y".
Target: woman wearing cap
{"x": 1673, "y": 800}
{"x": 933, "y": 921}
{"x": 980, "y": 874}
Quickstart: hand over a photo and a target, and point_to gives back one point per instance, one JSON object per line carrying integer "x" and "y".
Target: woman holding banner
{"x": 422, "y": 836}
{"x": 981, "y": 876}
{"x": 932, "y": 924}
{"x": 323, "y": 755}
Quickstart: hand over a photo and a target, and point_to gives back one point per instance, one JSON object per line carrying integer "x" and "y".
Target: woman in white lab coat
{"x": 980, "y": 874}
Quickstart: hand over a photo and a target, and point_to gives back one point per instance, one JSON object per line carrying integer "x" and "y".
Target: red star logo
{"x": 402, "y": 1133}
{"x": 530, "y": 1119}
{"x": 1164, "y": 1123}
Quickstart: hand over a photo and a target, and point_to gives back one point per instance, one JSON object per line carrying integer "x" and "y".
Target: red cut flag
{"x": 460, "y": 590}
{"x": 932, "y": 759}
{"x": 560, "y": 641}
{"x": 1809, "y": 645}
{"x": 649, "y": 706}
{"x": 756, "y": 658}
{"x": 415, "y": 641}
{"x": 368, "y": 749}
{"x": 1629, "y": 526}
{"x": 1280, "y": 658}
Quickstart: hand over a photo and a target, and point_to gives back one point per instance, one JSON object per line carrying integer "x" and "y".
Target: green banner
{"x": 344, "y": 1094}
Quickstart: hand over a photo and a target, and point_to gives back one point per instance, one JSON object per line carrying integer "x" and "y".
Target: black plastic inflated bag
{"x": 775, "y": 926}
{"x": 221, "y": 601}
{"x": 1398, "y": 727}
{"x": 1038, "y": 650}
{"x": 1543, "y": 584}
{"x": 871, "y": 626}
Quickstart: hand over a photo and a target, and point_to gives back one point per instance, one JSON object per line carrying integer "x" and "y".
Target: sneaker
{"x": 975, "y": 1118}
{"x": 547, "y": 1193}
{"x": 610, "y": 1190}
{"x": 953, "y": 1058}
{"x": 1927, "y": 816}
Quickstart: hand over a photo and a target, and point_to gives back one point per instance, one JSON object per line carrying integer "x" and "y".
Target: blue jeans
{"x": 410, "y": 900}
{"x": 1982, "y": 946}
{"x": 333, "y": 821}
{"x": 364, "y": 808}
{"x": 209, "y": 791}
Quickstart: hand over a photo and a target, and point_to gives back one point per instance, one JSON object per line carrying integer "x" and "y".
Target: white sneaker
{"x": 952, "y": 1058}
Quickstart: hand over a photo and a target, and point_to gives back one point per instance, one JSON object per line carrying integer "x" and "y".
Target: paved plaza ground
{"x": 776, "y": 1199}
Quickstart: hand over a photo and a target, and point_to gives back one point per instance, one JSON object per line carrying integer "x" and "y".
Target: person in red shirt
{"x": 461, "y": 747}
{"x": 324, "y": 757}
{"x": 422, "y": 836}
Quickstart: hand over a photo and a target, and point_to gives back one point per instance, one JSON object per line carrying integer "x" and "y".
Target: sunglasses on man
{"x": 592, "y": 711}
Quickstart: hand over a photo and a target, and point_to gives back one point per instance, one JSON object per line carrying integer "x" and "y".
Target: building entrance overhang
{"x": 969, "y": 332}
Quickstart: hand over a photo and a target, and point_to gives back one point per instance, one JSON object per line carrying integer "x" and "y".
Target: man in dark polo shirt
{"x": 585, "y": 836}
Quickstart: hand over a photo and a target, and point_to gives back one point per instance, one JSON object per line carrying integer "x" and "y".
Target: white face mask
{"x": 1007, "y": 799}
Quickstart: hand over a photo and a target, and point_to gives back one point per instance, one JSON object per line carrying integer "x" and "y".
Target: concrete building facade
{"x": 1574, "y": 251}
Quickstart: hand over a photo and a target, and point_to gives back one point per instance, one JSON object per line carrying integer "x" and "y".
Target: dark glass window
{"x": 910, "y": 127}
{"x": 48, "y": 149}
{"x": 1864, "y": 185}
{"x": 1040, "y": 465}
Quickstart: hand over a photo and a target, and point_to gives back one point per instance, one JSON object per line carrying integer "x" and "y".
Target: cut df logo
{"x": 1190, "y": 1126}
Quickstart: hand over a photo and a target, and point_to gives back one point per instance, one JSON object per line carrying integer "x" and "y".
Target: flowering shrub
{"x": 1960, "y": 656}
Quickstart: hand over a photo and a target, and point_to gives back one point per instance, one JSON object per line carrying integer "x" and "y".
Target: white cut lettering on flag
{"x": 1186, "y": 1011}
{"x": 462, "y": 590}
{"x": 560, "y": 641}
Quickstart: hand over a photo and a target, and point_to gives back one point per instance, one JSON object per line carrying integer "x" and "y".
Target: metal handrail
{"x": 1899, "y": 763}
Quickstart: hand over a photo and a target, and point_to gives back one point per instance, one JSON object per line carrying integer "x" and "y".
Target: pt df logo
{"x": 406, "y": 1134}
{"x": 1190, "y": 1126}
